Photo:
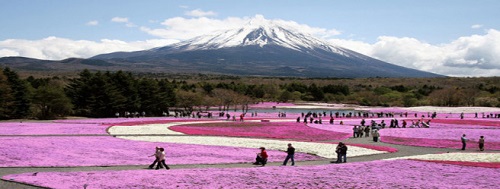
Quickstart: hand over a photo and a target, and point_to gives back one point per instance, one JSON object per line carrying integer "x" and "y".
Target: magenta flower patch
{"x": 278, "y": 130}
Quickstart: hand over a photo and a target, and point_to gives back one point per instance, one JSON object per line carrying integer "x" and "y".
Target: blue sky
{"x": 450, "y": 37}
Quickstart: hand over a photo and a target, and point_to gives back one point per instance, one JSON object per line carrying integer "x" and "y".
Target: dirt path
{"x": 402, "y": 151}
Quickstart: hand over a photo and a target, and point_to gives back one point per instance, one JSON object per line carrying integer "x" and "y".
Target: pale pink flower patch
{"x": 375, "y": 174}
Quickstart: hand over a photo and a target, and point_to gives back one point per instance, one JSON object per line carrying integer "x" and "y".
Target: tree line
{"x": 103, "y": 94}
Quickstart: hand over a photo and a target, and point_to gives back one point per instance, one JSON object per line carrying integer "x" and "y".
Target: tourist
{"x": 464, "y": 141}
{"x": 162, "y": 160}
{"x": 261, "y": 158}
{"x": 355, "y": 131}
{"x": 290, "y": 154}
{"x": 157, "y": 157}
{"x": 367, "y": 131}
{"x": 375, "y": 135}
{"x": 337, "y": 151}
{"x": 361, "y": 129}
{"x": 481, "y": 143}
{"x": 343, "y": 153}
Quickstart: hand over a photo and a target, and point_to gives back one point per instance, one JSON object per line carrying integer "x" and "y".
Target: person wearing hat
{"x": 261, "y": 158}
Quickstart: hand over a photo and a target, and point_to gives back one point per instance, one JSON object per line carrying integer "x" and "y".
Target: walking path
{"x": 402, "y": 151}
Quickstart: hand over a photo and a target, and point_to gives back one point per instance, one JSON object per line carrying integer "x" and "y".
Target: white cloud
{"x": 8, "y": 52}
{"x": 200, "y": 13}
{"x": 123, "y": 20}
{"x": 54, "y": 48}
{"x": 92, "y": 23}
{"x": 476, "y": 55}
{"x": 476, "y": 26}
{"x": 119, "y": 19}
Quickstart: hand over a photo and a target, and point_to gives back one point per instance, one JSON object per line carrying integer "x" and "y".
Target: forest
{"x": 103, "y": 94}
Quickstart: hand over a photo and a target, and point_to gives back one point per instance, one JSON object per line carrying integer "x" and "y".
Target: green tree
{"x": 285, "y": 96}
{"x": 126, "y": 85}
{"x": 6, "y": 97}
{"x": 20, "y": 107}
{"x": 149, "y": 93}
{"x": 50, "y": 102}
{"x": 79, "y": 91}
{"x": 188, "y": 100}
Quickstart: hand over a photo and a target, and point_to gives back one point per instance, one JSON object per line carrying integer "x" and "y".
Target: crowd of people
{"x": 359, "y": 131}
{"x": 262, "y": 156}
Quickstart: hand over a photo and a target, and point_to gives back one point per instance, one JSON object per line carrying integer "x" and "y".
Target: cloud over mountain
{"x": 474, "y": 55}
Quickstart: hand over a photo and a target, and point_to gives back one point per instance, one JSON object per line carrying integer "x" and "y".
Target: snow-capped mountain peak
{"x": 258, "y": 32}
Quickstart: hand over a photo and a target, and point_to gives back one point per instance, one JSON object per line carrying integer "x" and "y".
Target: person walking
{"x": 290, "y": 155}
{"x": 367, "y": 131}
{"x": 464, "y": 141}
{"x": 157, "y": 157}
{"x": 162, "y": 160}
{"x": 355, "y": 131}
{"x": 343, "y": 152}
{"x": 375, "y": 135}
{"x": 481, "y": 143}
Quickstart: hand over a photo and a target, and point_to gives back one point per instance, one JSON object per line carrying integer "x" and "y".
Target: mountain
{"x": 260, "y": 48}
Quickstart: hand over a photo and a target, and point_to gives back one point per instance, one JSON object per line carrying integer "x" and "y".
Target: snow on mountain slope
{"x": 260, "y": 31}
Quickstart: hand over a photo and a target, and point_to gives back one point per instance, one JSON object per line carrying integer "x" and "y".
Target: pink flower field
{"x": 126, "y": 121}
{"x": 465, "y": 163}
{"x": 441, "y": 138}
{"x": 469, "y": 122}
{"x": 278, "y": 130}
{"x": 39, "y": 128}
{"x": 375, "y": 174}
{"x": 109, "y": 151}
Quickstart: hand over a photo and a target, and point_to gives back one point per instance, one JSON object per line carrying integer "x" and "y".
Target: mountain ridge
{"x": 259, "y": 48}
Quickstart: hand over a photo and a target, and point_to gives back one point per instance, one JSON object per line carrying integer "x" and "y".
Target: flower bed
{"x": 111, "y": 121}
{"x": 488, "y": 160}
{"x": 375, "y": 174}
{"x": 441, "y": 138}
{"x": 438, "y": 143}
{"x": 39, "y": 128}
{"x": 278, "y": 130}
{"x": 469, "y": 122}
{"x": 109, "y": 151}
{"x": 152, "y": 129}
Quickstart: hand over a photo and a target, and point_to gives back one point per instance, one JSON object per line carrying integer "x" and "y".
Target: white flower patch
{"x": 319, "y": 149}
{"x": 452, "y": 109}
{"x": 151, "y": 129}
{"x": 467, "y": 157}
